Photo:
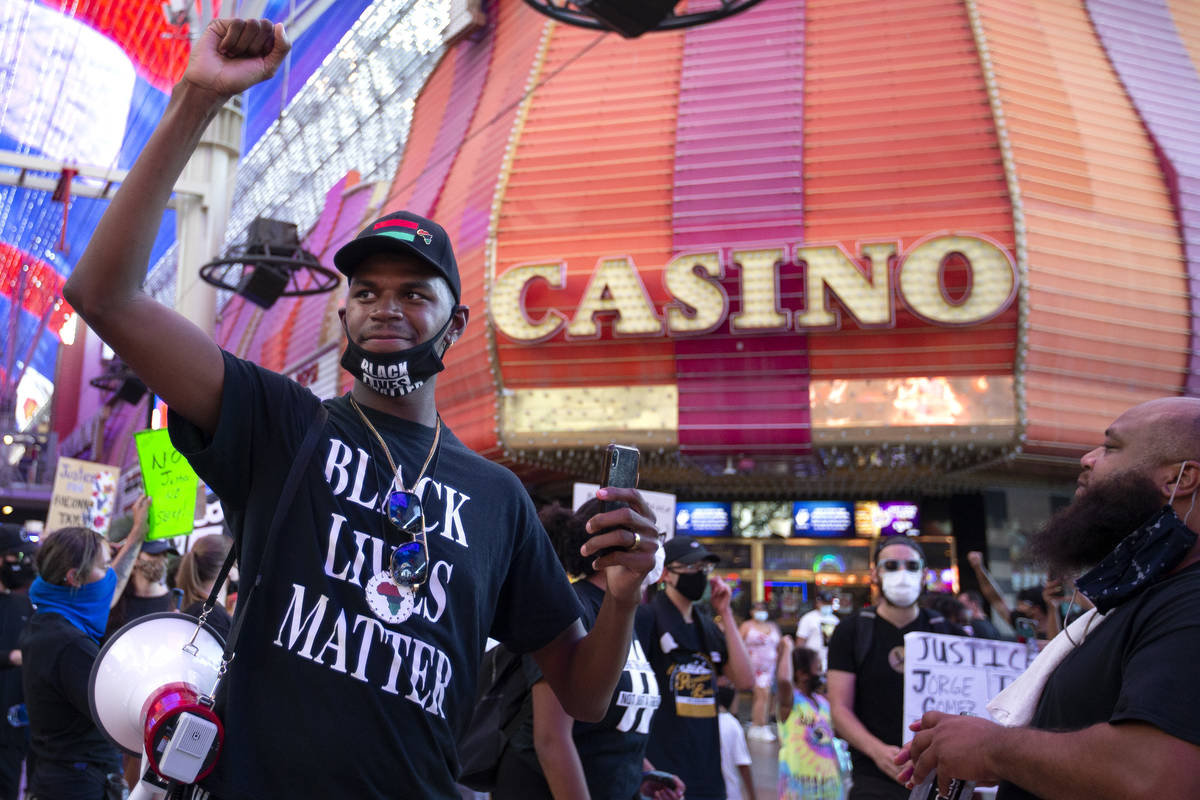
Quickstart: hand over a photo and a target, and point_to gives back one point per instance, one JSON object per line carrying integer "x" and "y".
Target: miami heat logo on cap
{"x": 402, "y": 229}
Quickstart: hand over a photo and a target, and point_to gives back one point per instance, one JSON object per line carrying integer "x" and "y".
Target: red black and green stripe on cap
{"x": 403, "y": 229}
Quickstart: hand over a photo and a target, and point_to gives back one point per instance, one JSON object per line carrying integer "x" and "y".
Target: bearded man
{"x": 1116, "y": 717}
{"x": 866, "y": 669}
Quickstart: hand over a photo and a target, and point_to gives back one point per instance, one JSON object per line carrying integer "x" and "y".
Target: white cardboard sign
{"x": 661, "y": 503}
{"x": 957, "y": 674}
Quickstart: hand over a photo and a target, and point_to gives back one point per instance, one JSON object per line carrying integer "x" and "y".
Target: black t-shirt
{"x": 879, "y": 683}
{"x": 684, "y": 734}
{"x": 1139, "y": 664}
{"x": 57, "y": 663}
{"x": 610, "y": 750}
{"x": 15, "y": 611}
{"x": 345, "y": 685}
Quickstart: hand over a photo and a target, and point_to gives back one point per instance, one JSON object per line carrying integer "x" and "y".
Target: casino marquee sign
{"x": 827, "y": 357}
{"x": 944, "y": 280}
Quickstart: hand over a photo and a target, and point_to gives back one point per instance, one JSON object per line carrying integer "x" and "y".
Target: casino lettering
{"x": 867, "y": 288}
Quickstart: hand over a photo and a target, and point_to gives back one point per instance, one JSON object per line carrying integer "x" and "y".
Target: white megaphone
{"x": 149, "y": 692}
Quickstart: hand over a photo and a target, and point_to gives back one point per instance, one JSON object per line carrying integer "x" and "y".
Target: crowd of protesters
{"x": 1112, "y": 716}
{"x": 705, "y": 661}
{"x": 669, "y": 732}
{"x": 834, "y": 684}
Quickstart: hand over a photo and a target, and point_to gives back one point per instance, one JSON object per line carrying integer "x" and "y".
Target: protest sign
{"x": 85, "y": 495}
{"x": 957, "y": 674}
{"x": 170, "y": 482}
{"x": 661, "y": 503}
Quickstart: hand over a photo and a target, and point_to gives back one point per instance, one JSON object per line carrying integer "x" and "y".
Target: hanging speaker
{"x": 147, "y": 691}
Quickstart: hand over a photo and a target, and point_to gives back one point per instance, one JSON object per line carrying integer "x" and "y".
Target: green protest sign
{"x": 170, "y": 482}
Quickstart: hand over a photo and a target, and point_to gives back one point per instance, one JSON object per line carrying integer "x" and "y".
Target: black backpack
{"x": 499, "y": 700}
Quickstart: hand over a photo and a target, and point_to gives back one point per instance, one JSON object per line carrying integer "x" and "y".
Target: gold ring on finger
{"x": 637, "y": 541}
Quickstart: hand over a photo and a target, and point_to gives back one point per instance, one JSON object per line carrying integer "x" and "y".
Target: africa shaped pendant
{"x": 388, "y": 601}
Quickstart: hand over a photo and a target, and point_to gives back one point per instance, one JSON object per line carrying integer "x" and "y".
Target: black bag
{"x": 503, "y": 688}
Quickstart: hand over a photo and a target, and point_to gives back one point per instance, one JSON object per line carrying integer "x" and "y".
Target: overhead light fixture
{"x": 269, "y": 265}
{"x": 632, "y": 18}
{"x": 119, "y": 379}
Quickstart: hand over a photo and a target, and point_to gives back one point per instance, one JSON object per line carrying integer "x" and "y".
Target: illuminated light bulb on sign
{"x": 831, "y": 268}
{"x": 507, "y": 306}
{"x": 992, "y": 285}
{"x": 615, "y": 286}
{"x": 760, "y": 291}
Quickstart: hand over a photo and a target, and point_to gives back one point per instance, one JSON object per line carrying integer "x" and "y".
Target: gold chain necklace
{"x": 437, "y": 435}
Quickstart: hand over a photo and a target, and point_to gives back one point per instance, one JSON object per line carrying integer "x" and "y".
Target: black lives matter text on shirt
{"x": 1138, "y": 665}
{"x": 337, "y": 667}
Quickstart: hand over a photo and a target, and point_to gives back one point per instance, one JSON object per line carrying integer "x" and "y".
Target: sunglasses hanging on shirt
{"x": 409, "y": 563}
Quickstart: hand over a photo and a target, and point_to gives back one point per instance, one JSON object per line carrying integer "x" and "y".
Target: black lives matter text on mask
{"x": 390, "y": 380}
{"x": 359, "y": 645}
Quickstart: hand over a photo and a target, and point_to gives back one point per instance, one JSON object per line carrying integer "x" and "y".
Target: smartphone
{"x": 620, "y": 472}
{"x": 659, "y": 780}
{"x": 928, "y": 790}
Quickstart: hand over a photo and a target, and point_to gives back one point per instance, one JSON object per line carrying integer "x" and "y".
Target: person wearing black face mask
{"x": 808, "y": 763}
{"x": 402, "y": 550}
{"x": 688, "y": 652}
{"x": 1108, "y": 709}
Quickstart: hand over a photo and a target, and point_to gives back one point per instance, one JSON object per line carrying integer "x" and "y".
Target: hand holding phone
{"x": 620, "y": 472}
{"x": 658, "y": 783}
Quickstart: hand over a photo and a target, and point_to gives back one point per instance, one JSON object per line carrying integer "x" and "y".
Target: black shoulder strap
{"x": 303, "y": 455}
{"x": 864, "y": 634}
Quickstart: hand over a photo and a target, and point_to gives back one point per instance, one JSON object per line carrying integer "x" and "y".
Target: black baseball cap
{"x": 15, "y": 537}
{"x": 899, "y": 538}
{"x": 686, "y": 550}
{"x": 156, "y": 547}
{"x": 403, "y": 232}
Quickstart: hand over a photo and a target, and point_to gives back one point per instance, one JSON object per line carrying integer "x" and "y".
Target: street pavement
{"x": 765, "y": 768}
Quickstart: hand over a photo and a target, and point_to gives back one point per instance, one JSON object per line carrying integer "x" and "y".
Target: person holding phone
{"x": 688, "y": 651}
{"x": 551, "y": 756}
{"x": 403, "y": 550}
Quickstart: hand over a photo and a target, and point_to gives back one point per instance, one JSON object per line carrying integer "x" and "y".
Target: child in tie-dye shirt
{"x": 808, "y": 764}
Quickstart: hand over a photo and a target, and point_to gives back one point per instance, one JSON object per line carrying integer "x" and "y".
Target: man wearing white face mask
{"x": 866, "y": 669}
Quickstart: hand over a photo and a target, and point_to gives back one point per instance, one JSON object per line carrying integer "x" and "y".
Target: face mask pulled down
{"x": 399, "y": 373}
{"x": 1141, "y": 559}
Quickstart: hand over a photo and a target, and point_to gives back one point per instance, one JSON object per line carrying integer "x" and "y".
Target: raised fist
{"x": 234, "y": 54}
